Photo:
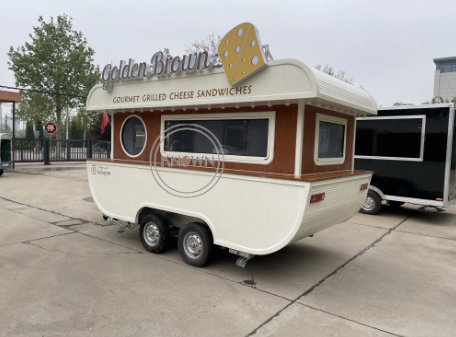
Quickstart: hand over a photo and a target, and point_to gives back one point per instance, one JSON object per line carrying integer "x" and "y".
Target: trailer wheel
{"x": 195, "y": 244}
{"x": 154, "y": 233}
{"x": 372, "y": 204}
{"x": 393, "y": 203}
{"x": 1, "y": 173}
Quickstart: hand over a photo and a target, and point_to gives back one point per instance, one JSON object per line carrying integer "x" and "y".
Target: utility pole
{"x": 14, "y": 129}
{"x": 67, "y": 124}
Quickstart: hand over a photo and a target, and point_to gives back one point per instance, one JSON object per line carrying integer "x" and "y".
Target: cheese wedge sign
{"x": 241, "y": 53}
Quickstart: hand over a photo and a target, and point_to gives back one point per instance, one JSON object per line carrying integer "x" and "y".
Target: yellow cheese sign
{"x": 241, "y": 53}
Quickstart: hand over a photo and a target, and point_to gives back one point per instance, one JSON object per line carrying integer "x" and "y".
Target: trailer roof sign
{"x": 240, "y": 50}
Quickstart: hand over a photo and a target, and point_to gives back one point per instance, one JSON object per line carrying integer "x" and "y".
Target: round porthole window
{"x": 133, "y": 136}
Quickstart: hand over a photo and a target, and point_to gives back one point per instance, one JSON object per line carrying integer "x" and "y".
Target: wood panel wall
{"x": 308, "y": 164}
{"x": 284, "y": 143}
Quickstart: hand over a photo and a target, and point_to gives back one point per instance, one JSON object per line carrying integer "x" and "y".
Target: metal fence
{"x": 37, "y": 150}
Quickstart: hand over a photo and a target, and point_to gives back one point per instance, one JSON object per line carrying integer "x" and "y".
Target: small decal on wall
{"x": 101, "y": 170}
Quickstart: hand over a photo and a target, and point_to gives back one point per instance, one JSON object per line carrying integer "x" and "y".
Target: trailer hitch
{"x": 244, "y": 257}
{"x": 122, "y": 227}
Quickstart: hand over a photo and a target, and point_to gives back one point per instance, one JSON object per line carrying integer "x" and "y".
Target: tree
{"x": 439, "y": 100}
{"x": 340, "y": 75}
{"x": 57, "y": 60}
{"x": 76, "y": 132}
{"x": 4, "y": 127}
{"x": 85, "y": 119}
{"x": 167, "y": 53}
{"x": 34, "y": 108}
{"x": 94, "y": 132}
{"x": 401, "y": 103}
{"x": 29, "y": 130}
{"x": 210, "y": 44}
{"x": 39, "y": 128}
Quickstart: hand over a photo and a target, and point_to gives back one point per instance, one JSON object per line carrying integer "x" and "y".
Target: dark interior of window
{"x": 238, "y": 137}
{"x": 389, "y": 138}
{"x": 5, "y": 147}
{"x": 448, "y": 68}
{"x": 133, "y": 136}
{"x": 331, "y": 140}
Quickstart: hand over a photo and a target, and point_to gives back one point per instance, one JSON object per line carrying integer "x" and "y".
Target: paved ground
{"x": 65, "y": 272}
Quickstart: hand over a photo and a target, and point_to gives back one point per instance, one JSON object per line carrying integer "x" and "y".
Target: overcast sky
{"x": 387, "y": 46}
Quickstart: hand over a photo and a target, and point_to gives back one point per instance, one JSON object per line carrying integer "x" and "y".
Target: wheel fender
{"x": 376, "y": 190}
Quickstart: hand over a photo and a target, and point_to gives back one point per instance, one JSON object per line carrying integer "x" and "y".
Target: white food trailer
{"x": 251, "y": 159}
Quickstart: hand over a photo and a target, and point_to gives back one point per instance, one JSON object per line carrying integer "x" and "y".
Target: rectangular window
{"x": 244, "y": 137}
{"x": 390, "y": 138}
{"x": 330, "y": 139}
{"x": 446, "y": 69}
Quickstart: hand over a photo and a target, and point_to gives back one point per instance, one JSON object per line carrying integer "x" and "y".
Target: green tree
{"x": 84, "y": 119}
{"x": 401, "y": 103}
{"x": 210, "y": 44}
{"x": 439, "y": 100}
{"x": 76, "y": 132}
{"x": 340, "y": 75}
{"x": 39, "y": 128}
{"x": 57, "y": 60}
{"x": 167, "y": 53}
{"x": 29, "y": 130}
{"x": 4, "y": 127}
{"x": 34, "y": 108}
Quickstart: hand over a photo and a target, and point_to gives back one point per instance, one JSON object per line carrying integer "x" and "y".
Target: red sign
{"x": 50, "y": 128}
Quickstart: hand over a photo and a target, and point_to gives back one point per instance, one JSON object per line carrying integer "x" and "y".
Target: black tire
{"x": 1, "y": 173}
{"x": 154, "y": 233}
{"x": 105, "y": 217}
{"x": 393, "y": 203}
{"x": 195, "y": 244}
{"x": 372, "y": 204}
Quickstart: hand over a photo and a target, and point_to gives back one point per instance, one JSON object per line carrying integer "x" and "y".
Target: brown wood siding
{"x": 308, "y": 164}
{"x": 284, "y": 143}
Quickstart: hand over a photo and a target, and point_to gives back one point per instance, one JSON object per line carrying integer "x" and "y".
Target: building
{"x": 9, "y": 98}
{"x": 445, "y": 78}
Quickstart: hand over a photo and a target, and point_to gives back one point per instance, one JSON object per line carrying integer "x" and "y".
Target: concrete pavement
{"x": 66, "y": 272}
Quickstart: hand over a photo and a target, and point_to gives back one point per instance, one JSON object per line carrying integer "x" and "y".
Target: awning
{"x": 9, "y": 97}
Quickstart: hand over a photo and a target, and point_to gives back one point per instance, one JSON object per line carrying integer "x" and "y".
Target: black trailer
{"x": 411, "y": 150}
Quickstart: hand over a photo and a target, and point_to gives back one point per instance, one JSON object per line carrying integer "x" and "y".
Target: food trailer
{"x": 411, "y": 150}
{"x": 5, "y": 152}
{"x": 252, "y": 155}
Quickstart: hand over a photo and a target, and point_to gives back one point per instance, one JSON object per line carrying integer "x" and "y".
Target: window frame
{"x": 329, "y": 119}
{"x": 270, "y": 115}
{"x": 423, "y": 134}
{"x": 447, "y": 65}
{"x": 121, "y": 139}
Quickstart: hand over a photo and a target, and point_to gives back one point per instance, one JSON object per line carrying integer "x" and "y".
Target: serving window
{"x": 133, "y": 136}
{"x": 330, "y": 139}
{"x": 391, "y": 138}
{"x": 244, "y": 138}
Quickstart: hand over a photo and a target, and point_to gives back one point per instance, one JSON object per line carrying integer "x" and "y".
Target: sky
{"x": 386, "y": 46}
